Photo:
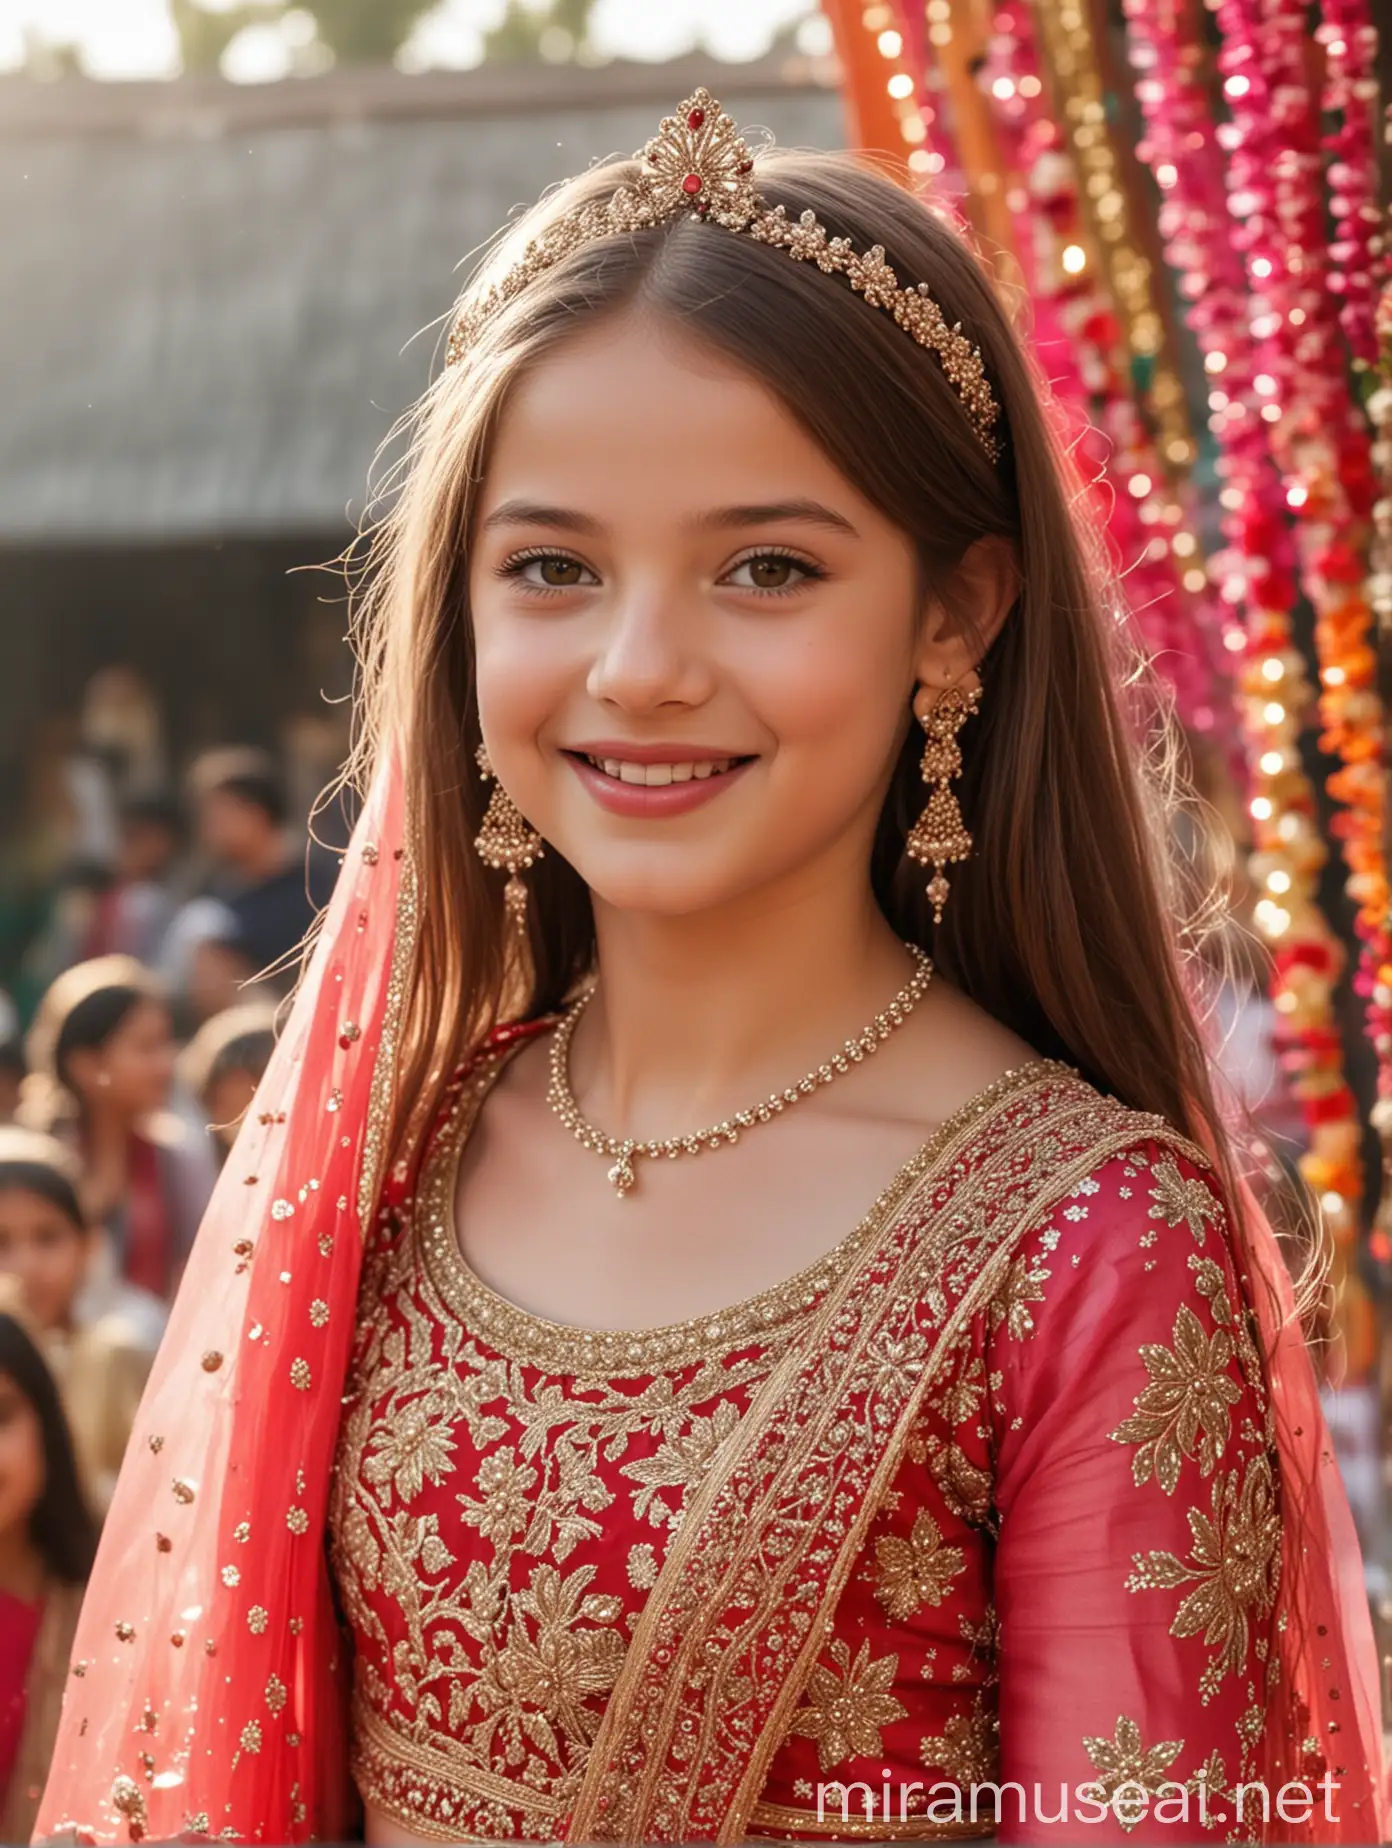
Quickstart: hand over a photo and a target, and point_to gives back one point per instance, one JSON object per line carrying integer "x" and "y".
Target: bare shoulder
{"x": 946, "y": 1055}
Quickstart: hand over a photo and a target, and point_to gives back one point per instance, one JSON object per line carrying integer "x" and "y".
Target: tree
{"x": 554, "y": 29}
{"x": 204, "y": 34}
{"x": 366, "y": 31}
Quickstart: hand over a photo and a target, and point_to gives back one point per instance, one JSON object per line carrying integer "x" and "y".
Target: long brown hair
{"x": 1068, "y": 923}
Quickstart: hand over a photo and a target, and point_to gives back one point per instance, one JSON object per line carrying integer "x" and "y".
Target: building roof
{"x": 218, "y": 298}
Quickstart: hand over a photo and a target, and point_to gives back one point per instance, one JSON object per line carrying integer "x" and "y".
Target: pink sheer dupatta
{"x": 207, "y": 1690}
{"x": 1328, "y": 1689}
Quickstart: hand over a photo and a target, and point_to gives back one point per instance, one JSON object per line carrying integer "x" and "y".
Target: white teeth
{"x": 657, "y": 776}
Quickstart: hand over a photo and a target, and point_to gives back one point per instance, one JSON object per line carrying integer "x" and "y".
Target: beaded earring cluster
{"x": 507, "y": 840}
{"x": 939, "y": 837}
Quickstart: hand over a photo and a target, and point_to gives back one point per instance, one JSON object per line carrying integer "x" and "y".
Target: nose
{"x": 649, "y": 654}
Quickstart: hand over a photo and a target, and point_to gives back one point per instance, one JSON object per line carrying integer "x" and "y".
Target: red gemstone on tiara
{"x": 696, "y": 119}
{"x": 692, "y": 184}
{"x": 745, "y": 166}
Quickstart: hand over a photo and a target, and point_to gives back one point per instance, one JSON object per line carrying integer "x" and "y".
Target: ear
{"x": 84, "y": 1069}
{"x": 960, "y": 624}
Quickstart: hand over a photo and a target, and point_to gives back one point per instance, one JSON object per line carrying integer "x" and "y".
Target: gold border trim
{"x": 377, "y": 1743}
{"x": 866, "y": 1829}
{"x": 770, "y": 1317}
{"x": 384, "y": 1064}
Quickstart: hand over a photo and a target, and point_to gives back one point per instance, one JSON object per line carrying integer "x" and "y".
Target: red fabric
{"x": 208, "y": 1639}
{"x": 147, "y": 1241}
{"x": 19, "y": 1629}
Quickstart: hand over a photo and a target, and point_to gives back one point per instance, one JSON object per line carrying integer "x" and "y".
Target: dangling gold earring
{"x": 507, "y": 840}
{"x": 939, "y": 837}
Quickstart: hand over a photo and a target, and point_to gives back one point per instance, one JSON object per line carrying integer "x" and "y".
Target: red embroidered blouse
{"x": 1068, "y": 1579}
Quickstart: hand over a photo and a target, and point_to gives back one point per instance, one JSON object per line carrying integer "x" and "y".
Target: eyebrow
{"x": 533, "y": 513}
{"x": 774, "y": 513}
{"x": 771, "y": 513}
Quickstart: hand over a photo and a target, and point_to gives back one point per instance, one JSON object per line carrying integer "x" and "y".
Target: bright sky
{"x": 134, "y": 38}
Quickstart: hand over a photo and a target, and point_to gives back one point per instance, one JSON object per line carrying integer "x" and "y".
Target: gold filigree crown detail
{"x": 698, "y": 165}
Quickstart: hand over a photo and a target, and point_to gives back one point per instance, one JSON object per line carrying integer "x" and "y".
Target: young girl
{"x": 101, "y": 1055}
{"x": 223, "y": 1064}
{"x": 101, "y": 1364}
{"x": 46, "y": 1544}
{"x": 771, "y": 1385}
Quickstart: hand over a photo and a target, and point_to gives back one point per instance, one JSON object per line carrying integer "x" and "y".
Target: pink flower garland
{"x": 1078, "y": 339}
{"x": 1256, "y": 571}
{"x": 1359, "y": 251}
{"x": 1318, "y": 437}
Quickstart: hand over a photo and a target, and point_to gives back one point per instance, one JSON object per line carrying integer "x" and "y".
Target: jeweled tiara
{"x": 698, "y": 165}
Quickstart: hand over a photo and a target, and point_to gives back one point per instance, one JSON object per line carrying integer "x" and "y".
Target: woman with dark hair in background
{"x": 102, "y": 1059}
{"x": 46, "y": 1244}
{"x": 224, "y": 1062}
{"x": 47, "y": 1540}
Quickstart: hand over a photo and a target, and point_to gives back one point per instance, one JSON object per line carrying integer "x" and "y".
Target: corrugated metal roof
{"x": 212, "y": 297}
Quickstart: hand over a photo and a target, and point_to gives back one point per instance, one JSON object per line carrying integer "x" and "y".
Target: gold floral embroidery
{"x": 917, "y": 1571}
{"x": 1182, "y": 1202}
{"x": 968, "y": 1748}
{"x": 965, "y": 1488}
{"x": 1188, "y": 1399}
{"x": 848, "y": 1705}
{"x": 681, "y": 1462}
{"x": 1021, "y": 1288}
{"x": 1236, "y": 1560}
{"x": 1208, "y": 1280}
{"x": 537, "y": 1687}
{"x": 1123, "y": 1759}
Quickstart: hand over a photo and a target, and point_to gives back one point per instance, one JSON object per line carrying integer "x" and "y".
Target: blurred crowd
{"x": 129, "y": 1052}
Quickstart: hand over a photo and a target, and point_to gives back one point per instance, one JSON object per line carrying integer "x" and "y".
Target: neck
{"x": 697, "y": 1016}
{"x": 107, "y": 1128}
{"x": 21, "y": 1564}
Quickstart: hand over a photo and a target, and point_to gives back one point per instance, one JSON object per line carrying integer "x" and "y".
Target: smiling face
{"x": 696, "y": 641}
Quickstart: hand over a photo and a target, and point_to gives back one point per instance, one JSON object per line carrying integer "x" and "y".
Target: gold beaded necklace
{"x": 623, "y": 1175}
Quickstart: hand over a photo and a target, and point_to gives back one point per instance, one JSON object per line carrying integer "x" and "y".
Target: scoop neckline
{"x": 568, "y": 1349}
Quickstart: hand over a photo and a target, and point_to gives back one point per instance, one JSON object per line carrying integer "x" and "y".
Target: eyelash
{"x": 812, "y": 572}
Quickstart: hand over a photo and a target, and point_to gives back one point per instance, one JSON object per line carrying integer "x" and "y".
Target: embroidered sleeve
{"x": 1139, "y": 1524}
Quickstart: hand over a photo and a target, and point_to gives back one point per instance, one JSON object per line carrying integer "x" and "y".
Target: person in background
{"x": 102, "y": 1057}
{"x": 46, "y": 1244}
{"x": 272, "y": 888}
{"x": 12, "y": 1065}
{"x": 201, "y": 963}
{"x": 131, "y": 915}
{"x": 223, "y": 1064}
{"x": 12, "y": 1073}
{"x": 47, "y": 1541}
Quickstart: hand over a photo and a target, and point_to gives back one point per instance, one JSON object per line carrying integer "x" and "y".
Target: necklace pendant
{"x": 623, "y": 1176}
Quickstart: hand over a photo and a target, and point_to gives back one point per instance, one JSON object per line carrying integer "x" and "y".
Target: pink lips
{"x": 651, "y": 803}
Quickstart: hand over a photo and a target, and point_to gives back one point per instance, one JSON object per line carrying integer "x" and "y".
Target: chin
{"x": 670, "y": 888}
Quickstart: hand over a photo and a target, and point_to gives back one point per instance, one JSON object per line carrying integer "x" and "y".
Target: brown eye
{"x": 548, "y": 571}
{"x": 559, "y": 573}
{"x": 770, "y": 573}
